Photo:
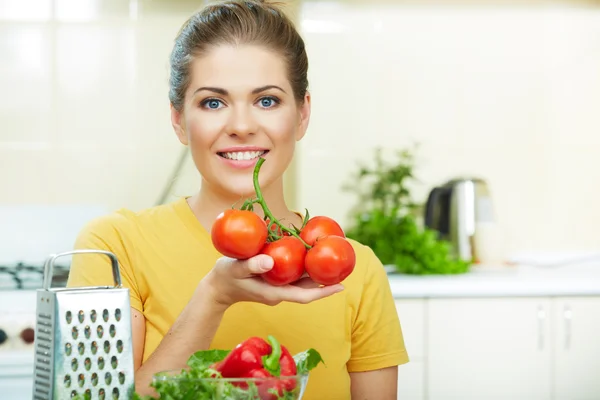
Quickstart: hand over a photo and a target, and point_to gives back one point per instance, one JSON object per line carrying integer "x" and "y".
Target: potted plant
{"x": 386, "y": 218}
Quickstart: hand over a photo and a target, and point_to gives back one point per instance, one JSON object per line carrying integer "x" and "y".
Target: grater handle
{"x": 49, "y": 265}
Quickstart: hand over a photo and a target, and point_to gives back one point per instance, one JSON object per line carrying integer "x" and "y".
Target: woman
{"x": 238, "y": 90}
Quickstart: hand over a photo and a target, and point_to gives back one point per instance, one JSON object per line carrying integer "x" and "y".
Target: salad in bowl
{"x": 256, "y": 369}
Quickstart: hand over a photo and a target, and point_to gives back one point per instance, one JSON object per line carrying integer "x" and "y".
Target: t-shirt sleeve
{"x": 104, "y": 233}
{"x": 377, "y": 340}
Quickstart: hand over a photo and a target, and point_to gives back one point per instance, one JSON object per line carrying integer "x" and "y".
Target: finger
{"x": 297, "y": 294}
{"x": 258, "y": 264}
{"x": 306, "y": 283}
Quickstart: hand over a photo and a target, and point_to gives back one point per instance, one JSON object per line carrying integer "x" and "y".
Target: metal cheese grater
{"x": 83, "y": 342}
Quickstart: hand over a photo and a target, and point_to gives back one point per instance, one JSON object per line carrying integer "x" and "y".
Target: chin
{"x": 238, "y": 189}
{"x": 238, "y": 184}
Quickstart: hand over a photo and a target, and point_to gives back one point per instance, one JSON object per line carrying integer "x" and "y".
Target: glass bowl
{"x": 273, "y": 388}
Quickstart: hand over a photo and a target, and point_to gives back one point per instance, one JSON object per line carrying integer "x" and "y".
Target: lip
{"x": 241, "y": 164}
{"x": 241, "y": 148}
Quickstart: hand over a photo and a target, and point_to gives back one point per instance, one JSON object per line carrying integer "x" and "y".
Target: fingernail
{"x": 339, "y": 289}
{"x": 266, "y": 263}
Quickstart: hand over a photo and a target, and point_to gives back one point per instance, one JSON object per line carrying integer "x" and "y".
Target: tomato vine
{"x": 274, "y": 223}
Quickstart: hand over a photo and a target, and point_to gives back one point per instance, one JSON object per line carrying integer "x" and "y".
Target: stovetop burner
{"x": 22, "y": 276}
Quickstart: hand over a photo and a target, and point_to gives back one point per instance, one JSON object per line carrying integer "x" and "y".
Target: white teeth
{"x": 243, "y": 155}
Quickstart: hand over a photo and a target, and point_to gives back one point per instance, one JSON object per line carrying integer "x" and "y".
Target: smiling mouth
{"x": 243, "y": 155}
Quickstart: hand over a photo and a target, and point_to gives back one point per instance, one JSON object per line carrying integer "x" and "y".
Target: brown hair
{"x": 237, "y": 22}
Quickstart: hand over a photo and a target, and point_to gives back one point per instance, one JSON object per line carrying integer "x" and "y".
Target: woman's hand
{"x": 232, "y": 281}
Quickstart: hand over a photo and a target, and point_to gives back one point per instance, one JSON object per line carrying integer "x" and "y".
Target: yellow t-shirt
{"x": 164, "y": 252}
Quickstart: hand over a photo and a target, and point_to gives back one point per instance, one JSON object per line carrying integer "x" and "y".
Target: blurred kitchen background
{"x": 508, "y": 92}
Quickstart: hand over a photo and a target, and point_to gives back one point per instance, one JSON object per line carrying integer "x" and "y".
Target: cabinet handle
{"x": 541, "y": 316}
{"x": 567, "y": 316}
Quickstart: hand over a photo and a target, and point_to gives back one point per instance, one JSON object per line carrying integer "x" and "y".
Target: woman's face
{"x": 239, "y": 106}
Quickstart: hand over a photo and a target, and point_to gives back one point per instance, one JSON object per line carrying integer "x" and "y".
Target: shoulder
{"x": 368, "y": 270}
{"x": 363, "y": 252}
{"x": 125, "y": 221}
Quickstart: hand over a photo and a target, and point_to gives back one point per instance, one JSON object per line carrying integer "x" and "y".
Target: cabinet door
{"x": 577, "y": 349}
{"x": 489, "y": 349}
{"x": 411, "y": 376}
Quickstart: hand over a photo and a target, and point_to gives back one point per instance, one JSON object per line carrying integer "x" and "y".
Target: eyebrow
{"x": 224, "y": 92}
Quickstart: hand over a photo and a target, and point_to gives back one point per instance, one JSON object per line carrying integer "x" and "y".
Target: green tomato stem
{"x": 260, "y": 200}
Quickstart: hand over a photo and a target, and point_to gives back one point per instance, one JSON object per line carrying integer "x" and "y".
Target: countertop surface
{"x": 524, "y": 280}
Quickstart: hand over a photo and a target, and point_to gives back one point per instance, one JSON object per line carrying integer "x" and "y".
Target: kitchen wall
{"x": 509, "y": 94}
{"x": 83, "y": 105}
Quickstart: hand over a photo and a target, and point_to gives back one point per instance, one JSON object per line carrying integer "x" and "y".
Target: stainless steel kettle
{"x": 455, "y": 209}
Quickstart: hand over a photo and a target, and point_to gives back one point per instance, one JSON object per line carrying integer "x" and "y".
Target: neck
{"x": 209, "y": 202}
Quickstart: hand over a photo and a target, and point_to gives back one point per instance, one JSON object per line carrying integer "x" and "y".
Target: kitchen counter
{"x": 503, "y": 281}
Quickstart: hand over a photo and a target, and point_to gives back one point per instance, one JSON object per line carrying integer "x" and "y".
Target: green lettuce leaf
{"x": 307, "y": 360}
{"x": 205, "y": 358}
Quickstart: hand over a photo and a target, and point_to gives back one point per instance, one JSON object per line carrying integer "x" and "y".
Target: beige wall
{"x": 83, "y": 107}
{"x": 508, "y": 94}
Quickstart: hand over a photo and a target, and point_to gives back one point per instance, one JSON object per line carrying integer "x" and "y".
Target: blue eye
{"x": 265, "y": 102}
{"x": 268, "y": 102}
{"x": 213, "y": 103}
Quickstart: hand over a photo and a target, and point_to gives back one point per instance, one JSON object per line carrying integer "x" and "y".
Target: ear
{"x": 179, "y": 125}
{"x": 304, "y": 117}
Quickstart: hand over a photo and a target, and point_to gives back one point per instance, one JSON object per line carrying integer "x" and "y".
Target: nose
{"x": 242, "y": 122}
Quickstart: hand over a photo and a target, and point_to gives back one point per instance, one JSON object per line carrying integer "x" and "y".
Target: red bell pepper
{"x": 288, "y": 368}
{"x": 267, "y": 388}
{"x": 255, "y": 358}
{"x": 246, "y": 356}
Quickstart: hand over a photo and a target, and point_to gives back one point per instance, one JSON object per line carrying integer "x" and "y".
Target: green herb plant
{"x": 385, "y": 218}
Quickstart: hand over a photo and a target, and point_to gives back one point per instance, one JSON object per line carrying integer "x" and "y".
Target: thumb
{"x": 258, "y": 264}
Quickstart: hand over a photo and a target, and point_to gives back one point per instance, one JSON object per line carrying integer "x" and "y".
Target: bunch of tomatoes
{"x": 319, "y": 247}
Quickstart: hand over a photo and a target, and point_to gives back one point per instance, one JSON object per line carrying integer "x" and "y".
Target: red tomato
{"x": 239, "y": 234}
{"x": 288, "y": 256}
{"x": 319, "y": 226}
{"x": 330, "y": 260}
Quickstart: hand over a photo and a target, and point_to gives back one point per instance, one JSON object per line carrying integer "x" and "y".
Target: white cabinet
{"x": 501, "y": 348}
{"x": 577, "y": 348}
{"x": 489, "y": 349}
{"x": 411, "y": 376}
